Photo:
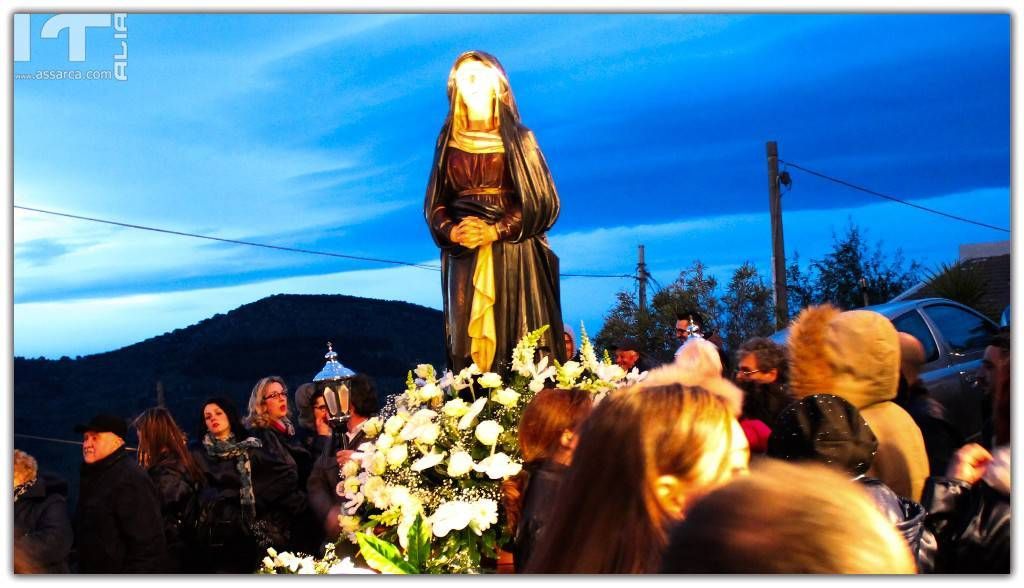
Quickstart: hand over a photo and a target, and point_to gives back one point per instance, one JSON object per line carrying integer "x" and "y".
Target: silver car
{"x": 954, "y": 337}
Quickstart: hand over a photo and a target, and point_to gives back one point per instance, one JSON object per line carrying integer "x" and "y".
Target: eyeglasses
{"x": 320, "y": 407}
{"x": 747, "y": 372}
{"x": 273, "y": 396}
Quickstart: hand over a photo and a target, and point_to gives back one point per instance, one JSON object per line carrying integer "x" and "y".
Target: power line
{"x": 893, "y": 198}
{"x": 277, "y": 247}
{"x": 65, "y": 441}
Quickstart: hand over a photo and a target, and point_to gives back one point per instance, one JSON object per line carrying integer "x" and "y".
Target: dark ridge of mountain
{"x": 224, "y": 355}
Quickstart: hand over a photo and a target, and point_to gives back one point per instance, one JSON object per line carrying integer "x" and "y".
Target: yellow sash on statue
{"x": 483, "y": 338}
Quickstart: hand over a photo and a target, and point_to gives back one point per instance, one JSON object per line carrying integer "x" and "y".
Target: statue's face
{"x": 477, "y": 83}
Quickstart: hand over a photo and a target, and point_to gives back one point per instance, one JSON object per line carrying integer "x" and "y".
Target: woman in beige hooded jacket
{"x": 856, "y": 355}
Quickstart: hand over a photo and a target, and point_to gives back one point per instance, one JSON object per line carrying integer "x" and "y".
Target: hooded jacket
{"x": 856, "y": 355}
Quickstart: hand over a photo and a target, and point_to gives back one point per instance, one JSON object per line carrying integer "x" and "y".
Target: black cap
{"x": 827, "y": 429}
{"x": 627, "y": 344}
{"x": 105, "y": 423}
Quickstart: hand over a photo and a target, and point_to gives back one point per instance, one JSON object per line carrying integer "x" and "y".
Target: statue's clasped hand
{"x": 473, "y": 232}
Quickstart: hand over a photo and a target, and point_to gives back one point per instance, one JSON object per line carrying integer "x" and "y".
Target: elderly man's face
{"x": 97, "y": 446}
{"x": 681, "y": 330}
{"x": 626, "y": 359}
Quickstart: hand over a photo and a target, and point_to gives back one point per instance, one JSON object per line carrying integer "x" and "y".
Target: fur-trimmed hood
{"x": 853, "y": 354}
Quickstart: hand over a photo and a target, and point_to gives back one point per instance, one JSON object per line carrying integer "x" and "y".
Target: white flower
{"x": 378, "y": 463}
{"x": 536, "y": 385}
{"x": 609, "y": 372}
{"x": 394, "y": 424}
{"x": 428, "y": 434}
{"x": 350, "y": 469}
{"x": 400, "y": 497}
{"x": 485, "y": 514}
{"x": 408, "y": 518}
{"x": 506, "y": 397}
{"x": 569, "y": 373}
{"x": 427, "y": 461}
{"x": 375, "y": 490}
{"x": 397, "y": 455}
{"x": 451, "y": 516}
{"x": 425, "y": 371}
{"x": 455, "y": 408}
{"x": 498, "y": 466}
{"x": 346, "y": 566}
{"x": 467, "y": 419}
{"x": 459, "y": 464}
{"x": 429, "y": 392}
{"x": 385, "y": 441}
{"x": 490, "y": 380}
{"x": 268, "y": 563}
{"x": 487, "y": 432}
{"x": 446, "y": 379}
{"x": 372, "y": 427}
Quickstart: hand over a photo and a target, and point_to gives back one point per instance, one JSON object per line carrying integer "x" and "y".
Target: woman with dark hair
{"x": 281, "y": 468}
{"x": 490, "y": 200}
{"x": 644, "y": 455}
{"x": 547, "y": 439}
{"x": 164, "y": 455}
{"x": 227, "y": 522}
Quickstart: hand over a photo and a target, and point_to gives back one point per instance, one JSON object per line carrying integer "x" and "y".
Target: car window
{"x": 963, "y": 331}
{"x": 911, "y": 323}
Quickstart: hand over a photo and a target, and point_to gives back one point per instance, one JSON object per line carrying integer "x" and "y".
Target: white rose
{"x": 378, "y": 463}
{"x": 459, "y": 464}
{"x": 427, "y": 461}
{"x": 428, "y": 434}
{"x": 350, "y": 469}
{"x": 474, "y": 410}
{"x": 506, "y": 397}
{"x": 536, "y": 385}
{"x": 394, "y": 425}
{"x": 498, "y": 466}
{"x": 451, "y": 516}
{"x": 385, "y": 441}
{"x": 372, "y": 427}
{"x": 397, "y": 455}
{"x": 490, "y": 380}
{"x": 429, "y": 392}
{"x": 455, "y": 408}
{"x": 487, "y": 432}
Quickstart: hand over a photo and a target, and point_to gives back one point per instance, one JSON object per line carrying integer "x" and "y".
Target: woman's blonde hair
{"x": 787, "y": 519}
{"x": 257, "y": 417}
{"x": 607, "y": 516}
{"x": 25, "y": 467}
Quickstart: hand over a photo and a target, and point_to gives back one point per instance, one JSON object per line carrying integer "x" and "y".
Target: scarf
{"x": 239, "y": 451}
{"x": 22, "y": 488}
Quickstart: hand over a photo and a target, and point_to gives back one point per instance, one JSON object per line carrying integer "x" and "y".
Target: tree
{"x": 799, "y": 287}
{"x": 693, "y": 289}
{"x": 841, "y": 271}
{"x": 748, "y": 307}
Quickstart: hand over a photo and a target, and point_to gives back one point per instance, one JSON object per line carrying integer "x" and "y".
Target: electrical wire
{"x": 892, "y": 198}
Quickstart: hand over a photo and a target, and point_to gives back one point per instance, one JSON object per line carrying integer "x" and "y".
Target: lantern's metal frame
{"x": 333, "y": 381}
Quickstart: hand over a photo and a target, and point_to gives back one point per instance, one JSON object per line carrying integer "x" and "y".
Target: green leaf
{"x": 419, "y": 543}
{"x": 383, "y": 556}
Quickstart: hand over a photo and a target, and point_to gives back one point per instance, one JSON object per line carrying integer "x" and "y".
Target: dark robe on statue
{"x": 514, "y": 191}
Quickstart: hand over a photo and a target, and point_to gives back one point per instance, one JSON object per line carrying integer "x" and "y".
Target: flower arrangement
{"x": 423, "y": 495}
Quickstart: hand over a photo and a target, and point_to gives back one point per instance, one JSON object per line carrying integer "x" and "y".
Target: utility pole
{"x": 161, "y": 401}
{"x": 641, "y": 275}
{"x": 778, "y": 248}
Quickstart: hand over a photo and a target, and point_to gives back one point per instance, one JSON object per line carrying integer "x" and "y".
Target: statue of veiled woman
{"x": 490, "y": 201}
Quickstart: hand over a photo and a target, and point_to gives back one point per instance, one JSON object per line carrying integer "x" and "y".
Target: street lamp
{"x": 333, "y": 380}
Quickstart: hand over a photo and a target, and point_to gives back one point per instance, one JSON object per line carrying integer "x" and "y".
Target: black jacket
{"x": 541, "y": 487}
{"x": 118, "y": 527}
{"x": 972, "y": 525}
{"x": 909, "y": 519}
{"x": 178, "y": 507}
{"x": 222, "y": 540}
{"x": 42, "y": 530}
{"x": 281, "y": 493}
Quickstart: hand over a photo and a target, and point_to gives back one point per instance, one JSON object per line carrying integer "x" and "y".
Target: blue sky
{"x": 317, "y": 132}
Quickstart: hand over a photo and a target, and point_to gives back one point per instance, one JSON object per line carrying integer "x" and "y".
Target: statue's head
{"x": 478, "y": 81}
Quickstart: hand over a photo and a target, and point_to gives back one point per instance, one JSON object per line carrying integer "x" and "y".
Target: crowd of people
{"x": 823, "y": 455}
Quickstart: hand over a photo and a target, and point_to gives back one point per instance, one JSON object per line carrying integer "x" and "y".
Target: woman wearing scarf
{"x": 490, "y": 200}
{"x": 280, "y": 469}
{"x": 226, "y": 528}
{"x": 42, "y": 529}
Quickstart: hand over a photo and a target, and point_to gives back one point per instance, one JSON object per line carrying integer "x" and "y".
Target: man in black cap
{"x": 118, "y": 526}
{"x": 629, "y": 355}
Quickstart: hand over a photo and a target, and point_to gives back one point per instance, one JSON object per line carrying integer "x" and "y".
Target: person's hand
{"x": 477, "y": 233}
{"x": 343, "y": 456}
{"x": 322, "y": 428}
{"x": 969, "y": 463}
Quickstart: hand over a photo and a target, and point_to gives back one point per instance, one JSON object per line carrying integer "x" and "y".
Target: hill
{"x": 225, "y": 355}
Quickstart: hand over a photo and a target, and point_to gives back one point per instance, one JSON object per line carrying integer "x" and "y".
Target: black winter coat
{"x": 225, "y": 544}
{"x": 178, "y": 507}
{"x": 541, "y": 487}
{"x": 972, "y": 525}
{"x": 909, "y": 519}
{"x": 118, "y": 527}
{"x": 280, "y": 499}
{"x": 42, "y": 530}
